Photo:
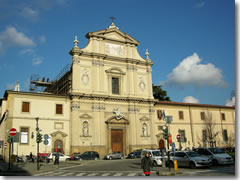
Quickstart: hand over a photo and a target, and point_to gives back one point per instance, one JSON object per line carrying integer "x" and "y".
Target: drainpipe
{"x": 191, "y": 125}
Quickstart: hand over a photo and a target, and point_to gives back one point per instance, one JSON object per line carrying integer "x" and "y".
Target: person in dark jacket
{"x": 146, "y": 164}
{"x": 57, "y": 158}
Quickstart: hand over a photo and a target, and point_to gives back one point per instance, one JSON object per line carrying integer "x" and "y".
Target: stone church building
{"x": 103, "y": 102}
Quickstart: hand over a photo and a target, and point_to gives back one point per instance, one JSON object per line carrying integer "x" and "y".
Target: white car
{"x": 62, "y": 157}
{"x": 217, "y": 155}
{"x": 155, "y": 156}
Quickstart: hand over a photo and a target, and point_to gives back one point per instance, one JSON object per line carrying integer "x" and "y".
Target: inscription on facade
{"x": 114, "y": 49}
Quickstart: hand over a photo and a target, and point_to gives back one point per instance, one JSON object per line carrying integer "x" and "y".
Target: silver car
{"x": 190, "y": 159}
{"x": 114, "y": 155}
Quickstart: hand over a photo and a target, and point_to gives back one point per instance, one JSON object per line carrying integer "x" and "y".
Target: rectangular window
{"x": 180, "y": 115}
{"x": 24, "y": 135}
{"x": 204, "y": 135}
{"x": 182, "y": 135}
{"x": 25, "y": 106}
{"x": 159, "y": 114}
{"x": 202, "y": 116}
{"x": 225, "y": 135}
{"x": 223, "y": 116}
{"x": 59, "y": 109}
{"x": 115, "y": 85}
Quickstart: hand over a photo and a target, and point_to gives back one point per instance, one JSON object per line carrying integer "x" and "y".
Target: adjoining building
{"x": 104, "y": 102}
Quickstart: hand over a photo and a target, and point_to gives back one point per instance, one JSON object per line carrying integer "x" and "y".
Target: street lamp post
{"x": 37, "y": 129}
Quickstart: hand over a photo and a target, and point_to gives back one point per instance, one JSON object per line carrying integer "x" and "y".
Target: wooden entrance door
{"x": 161, "y": 144}
{"x": 117, "y": 140}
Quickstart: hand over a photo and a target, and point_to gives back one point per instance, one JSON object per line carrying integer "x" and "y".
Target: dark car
{"x": 89, "y": 155}
{"x": 134, "y": 154}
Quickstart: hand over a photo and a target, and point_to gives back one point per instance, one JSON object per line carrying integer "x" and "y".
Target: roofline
{"x": 34, "y": 94}
{"x": 194, "y": 104}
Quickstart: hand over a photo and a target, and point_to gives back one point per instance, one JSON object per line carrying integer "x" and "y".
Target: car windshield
{"x": 193, "y": 154}
{"x": 216, "y": 150}
{"x": 156, "y": 153}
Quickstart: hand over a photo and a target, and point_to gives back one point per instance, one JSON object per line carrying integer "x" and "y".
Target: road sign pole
{"x": 9, "y": 153}
{"x": 37, "y": 129}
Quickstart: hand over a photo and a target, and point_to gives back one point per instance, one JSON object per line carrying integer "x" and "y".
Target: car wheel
{"x": 192, "y": 165}
{"x": 110, "y": 158}
{"x": 215, "y": 162}
{"x": 122, "y": 157}
{"x": 80, "y": 159}
{"x": 154, "y": 163}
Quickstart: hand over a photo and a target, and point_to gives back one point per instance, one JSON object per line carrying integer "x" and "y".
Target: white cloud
{"x": 191, "y": 72}
{"x": 200, "y": 5}
{"x": 37, "y": 61}
{"x": 230, "y": 102}
{"x": 26, "y": 51}
{"x": 191, "y": 99}
{"x": 12, "y": 37}
{"x": 42, "y": 39}
{"x": 30, "y": 14}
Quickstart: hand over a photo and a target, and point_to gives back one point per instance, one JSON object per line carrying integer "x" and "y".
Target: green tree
{"x": 159, "y": 93}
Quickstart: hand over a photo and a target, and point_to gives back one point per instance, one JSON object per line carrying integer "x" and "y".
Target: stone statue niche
{"x": 144, "y": 130}
{"x": 85, "y": 128}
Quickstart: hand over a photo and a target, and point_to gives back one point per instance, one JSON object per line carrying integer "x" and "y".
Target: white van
{"x": 155, "y": 156}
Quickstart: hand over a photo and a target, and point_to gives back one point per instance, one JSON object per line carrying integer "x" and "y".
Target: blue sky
{"x": 191, "y": 42}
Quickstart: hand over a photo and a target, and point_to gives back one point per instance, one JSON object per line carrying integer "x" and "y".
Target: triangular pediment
{"x": 85, "y": 116}
{"x": 113, "y": 34}
{"x": 59, "y": 132}
{"x": 144, "y": 118}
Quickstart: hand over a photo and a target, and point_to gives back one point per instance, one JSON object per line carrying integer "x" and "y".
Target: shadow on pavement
{"x": 14, "y": 170}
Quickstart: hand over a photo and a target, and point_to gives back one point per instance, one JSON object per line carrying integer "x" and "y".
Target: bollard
{"x": 175, "y": 165}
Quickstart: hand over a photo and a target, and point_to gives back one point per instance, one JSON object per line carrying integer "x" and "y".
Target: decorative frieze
{"x": 75, "y": 106}
{"x": 151, "y": 110}
{"x": 133, "y": 109}
{"x": 97, "y": 63}
{"x": 98, "y": 107}
{"x": 131, "y": 68}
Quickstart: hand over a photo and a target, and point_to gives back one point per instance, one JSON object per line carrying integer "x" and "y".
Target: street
{"x": 125, "y": 167}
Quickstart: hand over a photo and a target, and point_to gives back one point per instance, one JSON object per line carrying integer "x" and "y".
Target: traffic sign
{"x": 45, "y": 142}
{"x": 13, "y": 132}
{"x": 178, "y": 136}
{"x": 46, "y": 136}
{"x": 169, "y": 138}
{"x": 173, "y": 147}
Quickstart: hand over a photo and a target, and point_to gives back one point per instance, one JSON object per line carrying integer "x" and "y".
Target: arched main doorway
{"x": 117, "y": 133}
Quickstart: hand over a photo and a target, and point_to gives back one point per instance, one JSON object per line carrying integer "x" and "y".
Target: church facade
{"x": 103, "y": 103}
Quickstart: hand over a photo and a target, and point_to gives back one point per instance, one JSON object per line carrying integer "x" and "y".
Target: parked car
{"x": 190, "y": 159}
{"x": 114, "y": 155}
{"x": 135, "y": 154}
{"x": 216, "y": 154}
{"x": 89, "y": 155}
{"x": 155, "y": 156}
{"x": 62, "y": 157}
{"x": 75, "y": 156}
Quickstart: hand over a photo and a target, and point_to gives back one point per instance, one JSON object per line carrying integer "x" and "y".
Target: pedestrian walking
{"x": 57, "y": 158}
{"x": 31, "y": 157}
{"x": 146, "y": 164}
